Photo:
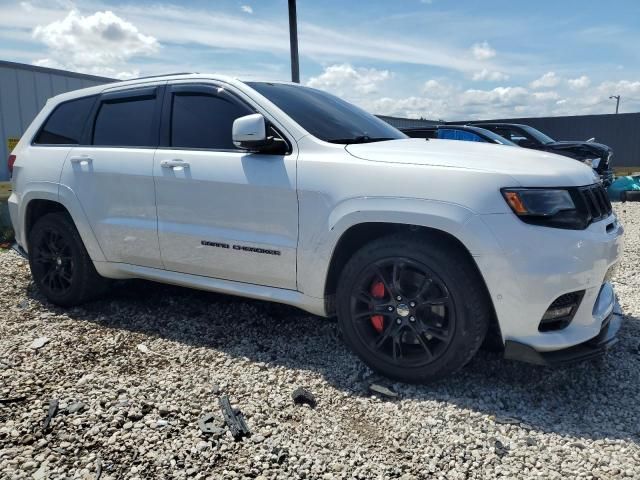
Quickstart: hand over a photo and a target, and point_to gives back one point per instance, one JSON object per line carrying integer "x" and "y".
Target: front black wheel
{"x": 60, "y": 264}
{"x": 412, "y": 307}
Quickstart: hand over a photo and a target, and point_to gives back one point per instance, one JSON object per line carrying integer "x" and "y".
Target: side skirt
{"x": 312, "y": 305}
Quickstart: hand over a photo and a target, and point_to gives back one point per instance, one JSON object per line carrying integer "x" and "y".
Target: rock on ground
{"x": 133, "y": 412}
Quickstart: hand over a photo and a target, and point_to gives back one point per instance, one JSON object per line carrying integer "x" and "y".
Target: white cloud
{"x": 544, "y": 96}
{"x": 101, "y": 43}
{"x": 622, "y": 87}
{"x": 344, "y": 78}
{"x": 27, "y": 7}
{"x": 580, "y": 82}
{"x": 178, "y": 24}
{"x": 448, "y": 101}
{"x": 483, "y": 51}
{"x": 247, "y": 9}
{"x": 488, "y": 75}
{"x": 501, "y": 96}
{"x": 435, "y": 87}
{"x": 548, "y": 80}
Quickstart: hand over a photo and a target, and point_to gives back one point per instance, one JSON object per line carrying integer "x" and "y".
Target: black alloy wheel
{"x": 413, "y": 306}
{"x": 60, "y": 264}
{"x": 53, "y": 262}
{"x": 403, "y": 312}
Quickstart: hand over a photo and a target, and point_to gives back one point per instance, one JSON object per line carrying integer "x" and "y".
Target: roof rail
{"x": 161, "y": 75}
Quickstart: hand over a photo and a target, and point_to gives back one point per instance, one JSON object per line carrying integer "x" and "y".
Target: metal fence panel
{"x": 24, "y": 90}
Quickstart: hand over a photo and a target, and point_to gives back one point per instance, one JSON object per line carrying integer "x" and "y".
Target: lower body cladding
{"x": 536, "y": 273}
{"x": 595, "y": 347}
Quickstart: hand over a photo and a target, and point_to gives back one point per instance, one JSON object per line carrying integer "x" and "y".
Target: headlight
{"x": 537, "y": 201}
{"x": 551, "y": 207}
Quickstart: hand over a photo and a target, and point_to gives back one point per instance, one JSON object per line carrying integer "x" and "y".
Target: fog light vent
{"x": 561, "y": 312}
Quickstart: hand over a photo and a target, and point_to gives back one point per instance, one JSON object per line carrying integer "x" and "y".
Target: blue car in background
{"x": 467, "y": 133}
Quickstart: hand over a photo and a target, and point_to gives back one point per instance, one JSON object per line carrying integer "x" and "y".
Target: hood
{"x": 596, "y": 148}
{"x": 530, "y": 168}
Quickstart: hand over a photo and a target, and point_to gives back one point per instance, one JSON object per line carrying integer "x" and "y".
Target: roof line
{"x": 54, "y": 71}
{"x": 161, "y": 75}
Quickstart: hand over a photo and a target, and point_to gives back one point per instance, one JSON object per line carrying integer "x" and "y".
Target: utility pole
{"x": 293, "y": 40}
{"x": 617, "y": 97}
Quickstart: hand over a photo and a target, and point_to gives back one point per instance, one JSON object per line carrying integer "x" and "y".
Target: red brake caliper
{"x": 377, "y": 291}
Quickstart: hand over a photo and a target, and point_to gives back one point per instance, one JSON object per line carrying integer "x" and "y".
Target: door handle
{"x": 81, "y": 159}
{"x": 173, "y": 163}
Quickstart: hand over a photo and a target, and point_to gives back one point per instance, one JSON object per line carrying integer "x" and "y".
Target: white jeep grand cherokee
{"x": 285, "y": 193}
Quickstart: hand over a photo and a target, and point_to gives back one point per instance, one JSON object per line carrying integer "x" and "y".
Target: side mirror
{"x": 250, "y": 132}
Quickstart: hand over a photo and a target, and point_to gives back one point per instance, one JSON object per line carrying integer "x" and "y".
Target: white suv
{"x": 285, "y": 193}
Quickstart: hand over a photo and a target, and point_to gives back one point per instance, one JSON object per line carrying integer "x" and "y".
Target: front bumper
{"x": 593, "y": 348}
{"x": 533, "y": 266}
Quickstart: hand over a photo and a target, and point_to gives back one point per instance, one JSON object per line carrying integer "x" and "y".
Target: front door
{"x": 222, "y": 212}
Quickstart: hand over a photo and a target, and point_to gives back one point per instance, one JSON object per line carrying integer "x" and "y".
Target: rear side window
{"x": 65, "y": 125}
{"x": 126, "y": 123}
{"x": 204, "y": 121}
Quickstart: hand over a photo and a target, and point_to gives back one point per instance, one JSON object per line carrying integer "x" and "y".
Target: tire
{"x": 439, "y": 322}
{"x": 631, "y": 196}
{"x": 60, "y": 265}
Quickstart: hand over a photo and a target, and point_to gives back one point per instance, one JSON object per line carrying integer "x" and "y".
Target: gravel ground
{"x": 147, "y": 362}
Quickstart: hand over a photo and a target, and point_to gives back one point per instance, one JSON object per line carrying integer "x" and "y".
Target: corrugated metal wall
{"x": 24, "y": 89}
{"x": 621, "y": 132}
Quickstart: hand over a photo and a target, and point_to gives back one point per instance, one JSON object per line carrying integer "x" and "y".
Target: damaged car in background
{"x": 597, "y": 155}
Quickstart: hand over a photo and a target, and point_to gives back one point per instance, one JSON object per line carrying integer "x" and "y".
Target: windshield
{"x": 537, "y": 134}
{"x": 495, "y": 137}
{"x": 325, "y": 116}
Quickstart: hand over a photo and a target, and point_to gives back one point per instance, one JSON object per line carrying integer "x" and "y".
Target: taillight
{"x": 10, "y": 162}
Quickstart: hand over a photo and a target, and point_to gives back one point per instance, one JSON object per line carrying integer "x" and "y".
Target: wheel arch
{"x": 35, "y": 204}
{"x": 360, "y": 234}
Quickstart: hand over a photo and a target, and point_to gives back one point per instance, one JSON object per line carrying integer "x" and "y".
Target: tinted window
{"x": 325, "y": 116}
{"x": 64, "y": 126}
{"x": 452, "y": 134}
{"x": 204, "y": 121}
{"x": 538, "y": 135}
{"x": 497, "y": 138}
{"x": 127, "y": 122}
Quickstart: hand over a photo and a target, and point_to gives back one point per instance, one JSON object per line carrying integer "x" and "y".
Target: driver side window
{"x": 204, "y": 121}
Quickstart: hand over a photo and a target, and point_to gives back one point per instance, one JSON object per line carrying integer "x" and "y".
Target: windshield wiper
{"x": 359, "y": 139}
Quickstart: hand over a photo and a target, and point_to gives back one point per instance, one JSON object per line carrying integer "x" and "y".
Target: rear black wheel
{"x": 60, "y": 265}
{"x": 412, "y": 307}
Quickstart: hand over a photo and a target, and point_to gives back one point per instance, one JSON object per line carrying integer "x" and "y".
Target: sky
{"x": 435, "y": 59}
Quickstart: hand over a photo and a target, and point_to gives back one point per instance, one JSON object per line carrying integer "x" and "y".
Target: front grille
{"x": 593, "y": 203}
{"x": 573, "y": 300}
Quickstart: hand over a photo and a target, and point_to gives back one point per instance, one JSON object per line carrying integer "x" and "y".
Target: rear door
{"x": 222, "y": 212}
{"x": 112, "y": 174}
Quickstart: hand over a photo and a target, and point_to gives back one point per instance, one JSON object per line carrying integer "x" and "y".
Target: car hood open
{"x": 528, "y": 167}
